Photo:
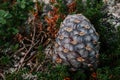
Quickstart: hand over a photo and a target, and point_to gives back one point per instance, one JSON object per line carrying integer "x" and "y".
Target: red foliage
{"x": 72, "y": 7}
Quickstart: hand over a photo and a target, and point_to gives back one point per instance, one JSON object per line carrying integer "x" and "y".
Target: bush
{"x": 12, "y": 20}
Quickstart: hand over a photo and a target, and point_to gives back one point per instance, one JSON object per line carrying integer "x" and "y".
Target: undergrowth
{"x": 15, "y": 34}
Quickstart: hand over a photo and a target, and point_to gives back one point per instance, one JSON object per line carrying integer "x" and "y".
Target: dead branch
{"x": 31, "y": 46}
{"x": 3, "y": 77}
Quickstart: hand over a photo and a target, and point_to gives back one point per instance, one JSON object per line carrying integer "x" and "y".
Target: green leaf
{"x": 14, "y": 47}
{"x": 40, "y": 48}
{"x": 15, "y": 31}
{"x": 5, "y": 60}
{"x": 7, "y": 15}
{"x": 2, "y": 20}
{"x": 23, "y": 4}
{"x": 2, "y": 13}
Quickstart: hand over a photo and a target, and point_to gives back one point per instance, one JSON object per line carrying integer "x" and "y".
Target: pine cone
{"x": 76, "y": 44}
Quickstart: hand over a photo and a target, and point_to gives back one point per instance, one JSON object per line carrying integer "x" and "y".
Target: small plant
{"x": 12, "y": 17}
{"x": 107, "y": 73}
{"x": 5, "y": 60}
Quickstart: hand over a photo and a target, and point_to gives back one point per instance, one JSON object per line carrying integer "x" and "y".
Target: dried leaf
{"x": 40, "y": 28}
{"x": 67, "y": 78}
{"x": 72, "y": 7}
{"x": 19, "y": 37}
{"x": 94, "y": 75}
{"x": 52, "y": 1}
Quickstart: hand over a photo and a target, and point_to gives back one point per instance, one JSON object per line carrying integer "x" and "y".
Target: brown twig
{"x": 3, "y": 77}
{"x": 24, "y": 47}
{"x": 32, "y": 56}
{"x": 31, "y": 46}
{"x": 27, "y": 39}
